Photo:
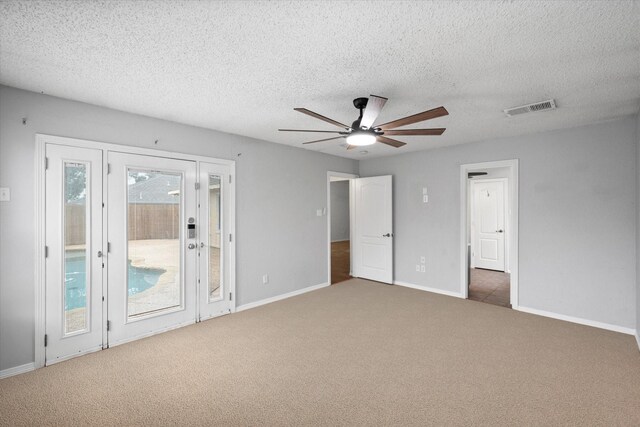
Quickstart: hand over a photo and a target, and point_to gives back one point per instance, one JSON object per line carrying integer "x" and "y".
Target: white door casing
{"x": 488, "y": 228}
{"x": 373, "y": 246}
{"x": 214, "y": 234}
{"x": 74, "y": 269}
{"x": 175, "y": 310}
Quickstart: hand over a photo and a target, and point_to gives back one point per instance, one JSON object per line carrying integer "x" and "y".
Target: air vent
{"x": 538, "y": 106}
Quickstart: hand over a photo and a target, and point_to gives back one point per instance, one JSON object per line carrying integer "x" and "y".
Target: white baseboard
{"x": 27, "y": 367}
{"x": 428, "y": 289}
{"x": 341, "y": 240}
{"x": 638, "y": 338}
{"x": 578, "y": 320}
{"x": 281, "y": 297}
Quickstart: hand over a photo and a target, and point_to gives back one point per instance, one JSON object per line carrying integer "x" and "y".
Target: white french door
{"x": 215, "y": 240}
{"x": 137, "y": 242}
{"x": 152, "y": 239}
{"x": 74, "y": 263}
{"x": 373, "y": 248}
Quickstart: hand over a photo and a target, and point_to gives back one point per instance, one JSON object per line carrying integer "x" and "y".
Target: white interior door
{"x": 74, "y": 269}
{"x": 215, "y": 278}
{"x": 152, "y": 245}
{"x": 373, "y": 246}
{"x": 488, "y": 224}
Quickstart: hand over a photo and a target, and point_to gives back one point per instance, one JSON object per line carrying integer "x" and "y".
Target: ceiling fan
{"x": 363, "y": 132}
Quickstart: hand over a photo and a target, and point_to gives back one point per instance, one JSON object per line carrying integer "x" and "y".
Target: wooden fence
{"x": 146, "y": 221}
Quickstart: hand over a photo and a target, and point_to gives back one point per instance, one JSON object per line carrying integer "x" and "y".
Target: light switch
{"x": 319, "y": 212}
{"x": 425, "y": 199}
{"x": 5, "y": 195}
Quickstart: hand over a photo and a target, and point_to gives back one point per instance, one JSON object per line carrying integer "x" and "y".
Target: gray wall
{"x": 270, "y": 220}
{"x": 339, "y": 210}
{"x": 577, "y": 217}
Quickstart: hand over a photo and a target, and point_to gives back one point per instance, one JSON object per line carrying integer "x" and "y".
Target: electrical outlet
{"x": 422, "y": 269}
{"x": 265, "y": 279}
{"x": 417, "y": 267}
{"x": 5, "y": 195}
{"x": 423, "y": 259}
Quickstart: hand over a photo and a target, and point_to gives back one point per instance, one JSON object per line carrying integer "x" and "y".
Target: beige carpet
{"x": 355, "y": 354}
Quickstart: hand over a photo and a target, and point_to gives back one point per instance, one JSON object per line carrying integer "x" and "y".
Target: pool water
{"x": 140, "y": 279}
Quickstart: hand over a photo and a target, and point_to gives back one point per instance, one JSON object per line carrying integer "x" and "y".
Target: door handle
{"x": 499, "y": 231}
{"x": 388, "y": 235}
{"x": 191, "y": 246}
{"x": 99, "y": 254}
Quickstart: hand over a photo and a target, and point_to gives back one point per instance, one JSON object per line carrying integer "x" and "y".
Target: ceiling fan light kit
{"x": 361, "y": 139}
{"x": 362, "y": 131}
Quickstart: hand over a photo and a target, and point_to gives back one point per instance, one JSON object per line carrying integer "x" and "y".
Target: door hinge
{"x": 108, "y": 247}
{"x": 229, "y": 179}
{"x": 230, "y": 296}
{"x": 46, "y": 163}
{"x": 46, "y": 251}
{"x": 108, "y": 325}
{"x": 103, "y": 204}
{"x": 46, "y": 340}
{"x": 108, "y": 168}
{"x": 231, "y": 237}
{"x": 197, "y": 185}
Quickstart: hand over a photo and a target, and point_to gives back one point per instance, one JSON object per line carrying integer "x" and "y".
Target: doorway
{"x": 370, "y": 241}
{"x": 489, "y": 279}
{"x": 339, "y": 219}
{"x": 136, "y": 242}
{"x": 489, "y": 231}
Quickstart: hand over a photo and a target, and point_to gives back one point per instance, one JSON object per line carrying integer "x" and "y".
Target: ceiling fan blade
{"x": 307, "y": 130}
{"x": 389, "y": 141}
{"x": 320, "y": 140}
{"x": 371, "y": 112}
{"x": 420, "y": 117}
{"x": 434, "y": 131}
{"x": 321, "y": 117}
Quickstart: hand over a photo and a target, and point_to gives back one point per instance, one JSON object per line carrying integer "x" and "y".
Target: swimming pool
{"x": 140, "y": 279}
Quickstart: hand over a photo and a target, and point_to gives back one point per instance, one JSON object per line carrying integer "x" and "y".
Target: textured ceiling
{"x": 242, "y": 67}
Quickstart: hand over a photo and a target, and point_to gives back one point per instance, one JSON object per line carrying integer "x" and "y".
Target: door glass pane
{"x": 215, "y": 228}
{"x": 76, "y": 258}
{"x": 154, "y": 274}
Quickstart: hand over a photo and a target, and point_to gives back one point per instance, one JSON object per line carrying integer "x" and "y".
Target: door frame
{"x": 472, "y": 211}
{"x": 40, "y": 218}
{"x": 350, "y": 177}
{"x": 512, "y": 221}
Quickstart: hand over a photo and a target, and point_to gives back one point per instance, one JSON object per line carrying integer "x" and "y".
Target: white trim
{"x": 512, "y": 222}
{"x": 350, "y": 177}
{"x": 16, "y": 370}
{"x": 131, "y": 149}
{"x": 281, "y": 297}
{"x": 638, "y": 338}
{"x": 340, "y": 240}
{"x": 234, "y": 239}
{"x": 39, "y": 258}
{"x": 587, "y": 322}
{"x": 428, "y": 289}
